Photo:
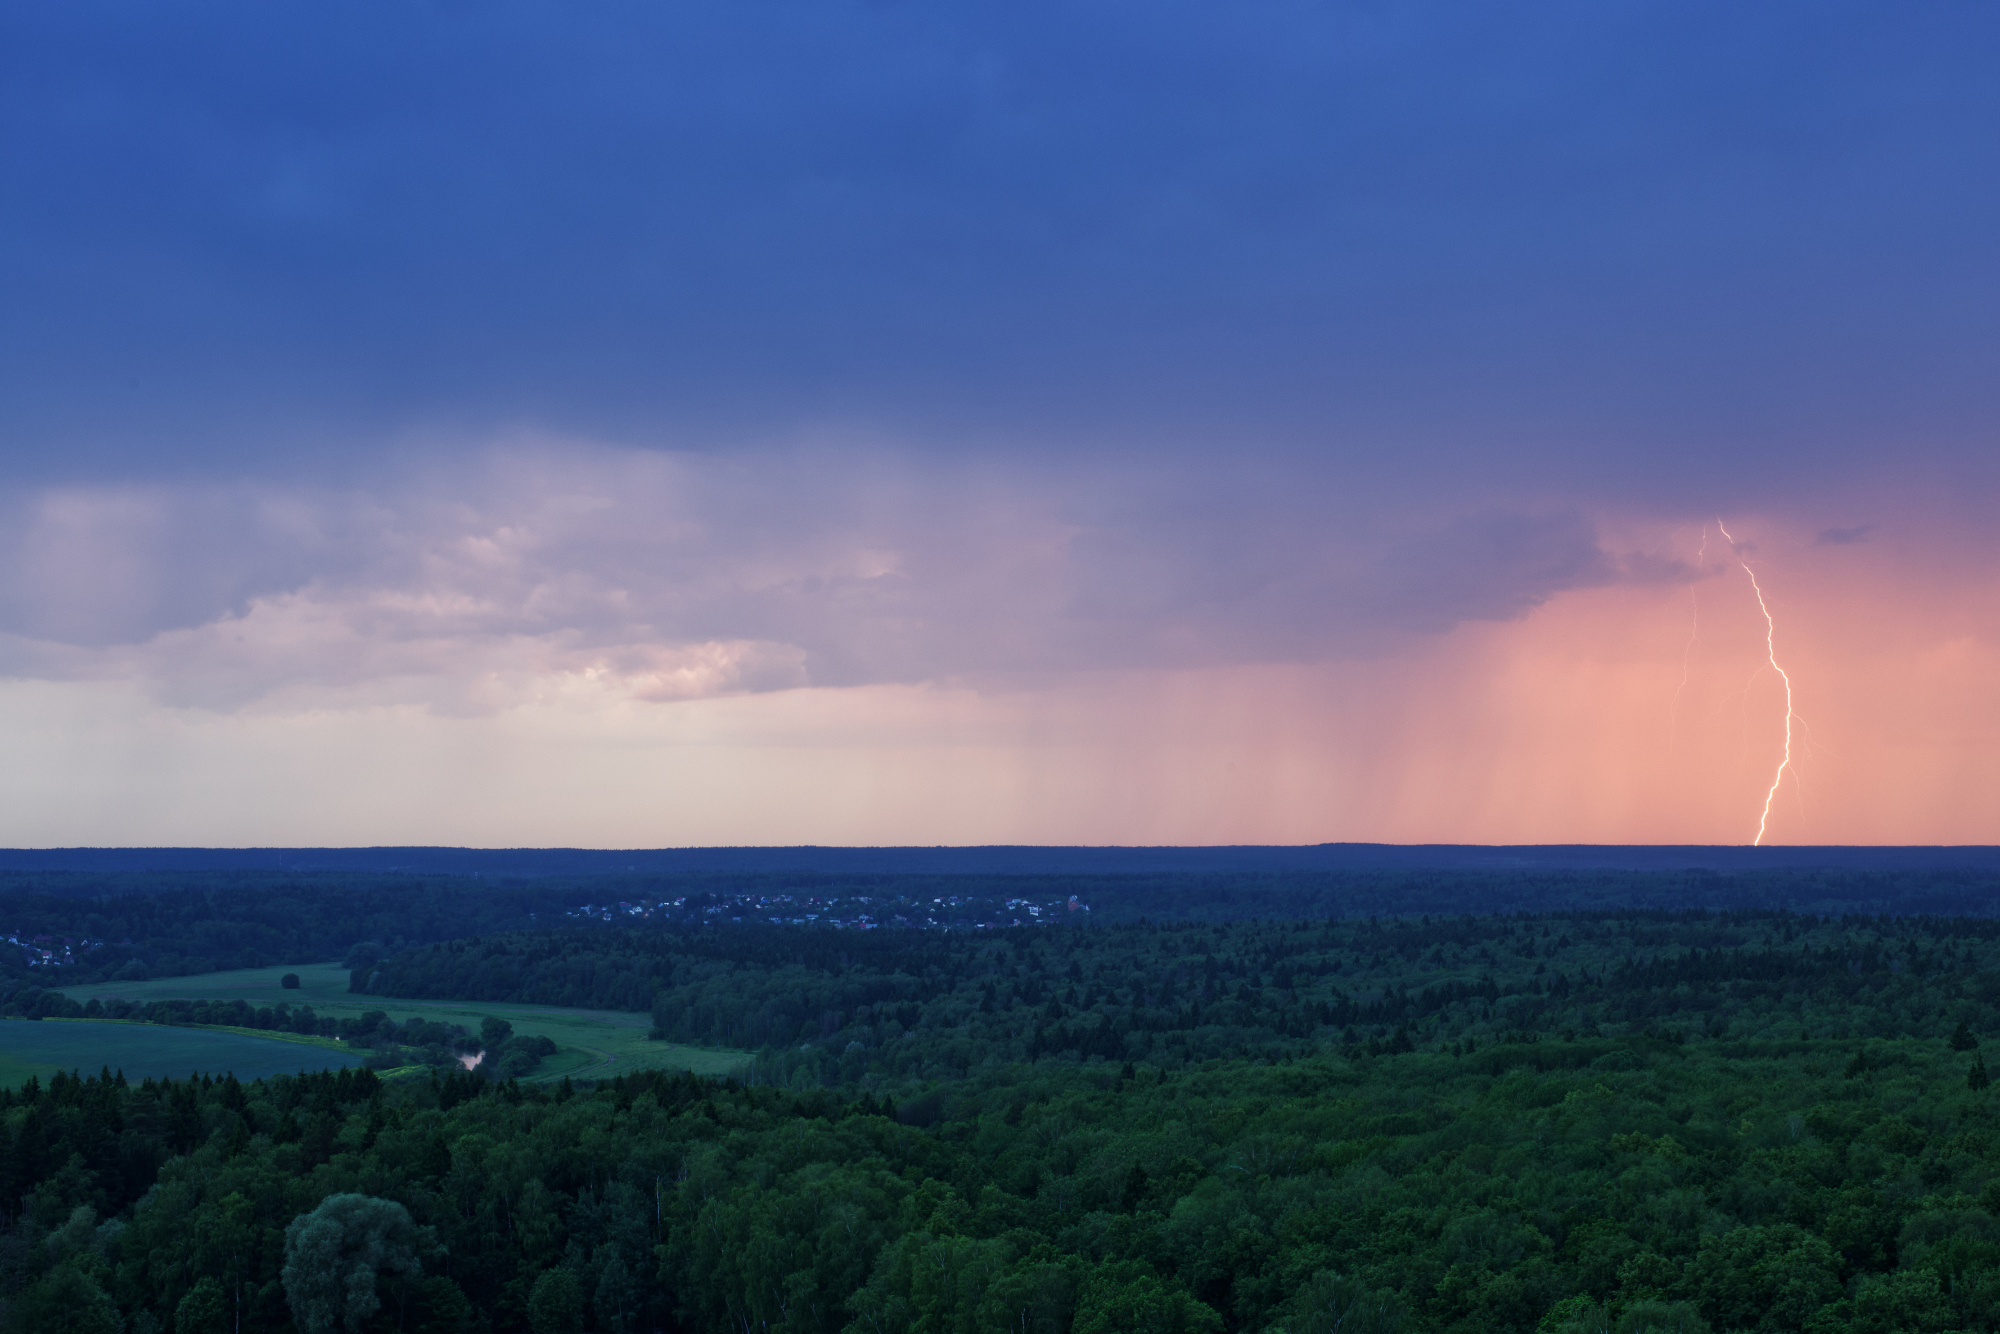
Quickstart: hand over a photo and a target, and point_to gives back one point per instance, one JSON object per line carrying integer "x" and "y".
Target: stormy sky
{"x": 769, "y": 422}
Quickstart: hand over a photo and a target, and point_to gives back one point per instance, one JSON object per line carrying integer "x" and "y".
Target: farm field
{"x": 150, "y": 1051}
{"x": 592, "y": 1044}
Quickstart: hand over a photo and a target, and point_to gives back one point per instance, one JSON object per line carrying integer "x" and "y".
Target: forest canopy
{"x": 1620, "y": 1118}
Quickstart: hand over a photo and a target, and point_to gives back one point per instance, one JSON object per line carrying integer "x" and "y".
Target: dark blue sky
{"x": 1607, "y": 250}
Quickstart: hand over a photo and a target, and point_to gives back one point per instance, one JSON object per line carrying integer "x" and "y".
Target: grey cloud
{"x": 1292, "y": 582}
{"x": 682, "y": 575}
{"x": 1843, "y": 537}
{"x": 97, "y": 566}
{"x": 1494, "y": 565}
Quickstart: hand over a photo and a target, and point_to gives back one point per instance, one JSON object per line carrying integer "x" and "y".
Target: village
{"x": 952, "y": 912}
{"x": 54, "y": 951}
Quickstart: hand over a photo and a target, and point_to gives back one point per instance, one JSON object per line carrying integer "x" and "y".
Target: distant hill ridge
{"x": 1009, "y": 860}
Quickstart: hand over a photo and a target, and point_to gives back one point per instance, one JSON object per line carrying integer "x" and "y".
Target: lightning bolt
{"x": 1771, "y": 655}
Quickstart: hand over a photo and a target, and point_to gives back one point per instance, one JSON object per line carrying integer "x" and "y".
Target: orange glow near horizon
{"x": 1597, "y": 718}
{"x": 1543, "y": 731}
{"x": 1594, "y": 719}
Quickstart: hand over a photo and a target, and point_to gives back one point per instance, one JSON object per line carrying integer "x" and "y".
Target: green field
{"x": 151, "y": 1051}
{"x": 592, "y": 1044}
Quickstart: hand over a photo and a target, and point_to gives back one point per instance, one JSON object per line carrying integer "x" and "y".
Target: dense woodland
{"x": 99, "y": 925}
{"x": 131, "y": 926}
{"x": 1573, "y": 1121}
{"x": 1232, "y": 896}
{"x": 841, "y": 1008}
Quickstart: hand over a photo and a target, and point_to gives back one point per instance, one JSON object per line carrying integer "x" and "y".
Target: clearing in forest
{"x": 591, "y": 1044}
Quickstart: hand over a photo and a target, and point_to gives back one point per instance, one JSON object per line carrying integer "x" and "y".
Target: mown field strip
{"x": 594, "y": 1044}
{"x": 155, "y": 1051}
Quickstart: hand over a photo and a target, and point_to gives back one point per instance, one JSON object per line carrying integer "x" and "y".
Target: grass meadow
{"x": 591, "y": 1044}
{"x": 42, "y": 1047}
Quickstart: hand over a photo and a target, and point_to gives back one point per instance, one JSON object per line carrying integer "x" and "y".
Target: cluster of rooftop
{"x": 857, "y": 912}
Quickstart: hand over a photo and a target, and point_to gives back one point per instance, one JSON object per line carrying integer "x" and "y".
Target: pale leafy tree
{"x": 335, "y": 1255}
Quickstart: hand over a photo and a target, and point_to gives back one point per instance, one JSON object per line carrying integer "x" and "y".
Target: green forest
{"x": 1612, "y": 1119}
{"x": 78, "y": 928}
{"x": 69, "y": 928}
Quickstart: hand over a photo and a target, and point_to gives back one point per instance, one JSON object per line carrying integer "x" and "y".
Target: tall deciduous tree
{"x": 335, "y": 1255}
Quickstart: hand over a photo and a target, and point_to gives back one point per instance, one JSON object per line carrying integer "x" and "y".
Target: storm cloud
{"x": 685, "y": 575}
{"x": 1569, "y": 245}
{"x": 885, "y": 361}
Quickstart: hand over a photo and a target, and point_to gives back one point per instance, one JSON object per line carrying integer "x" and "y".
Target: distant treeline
{"x": 38, "y": 1004}
{"x": 1225, "y": 897}
{"x": 100, "y": 926}
{"x": 233, "y": 1014}
{"x": 832, "y": 1007}
{"x": 997, "y": 860}
{"x": 131, "y": 927}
